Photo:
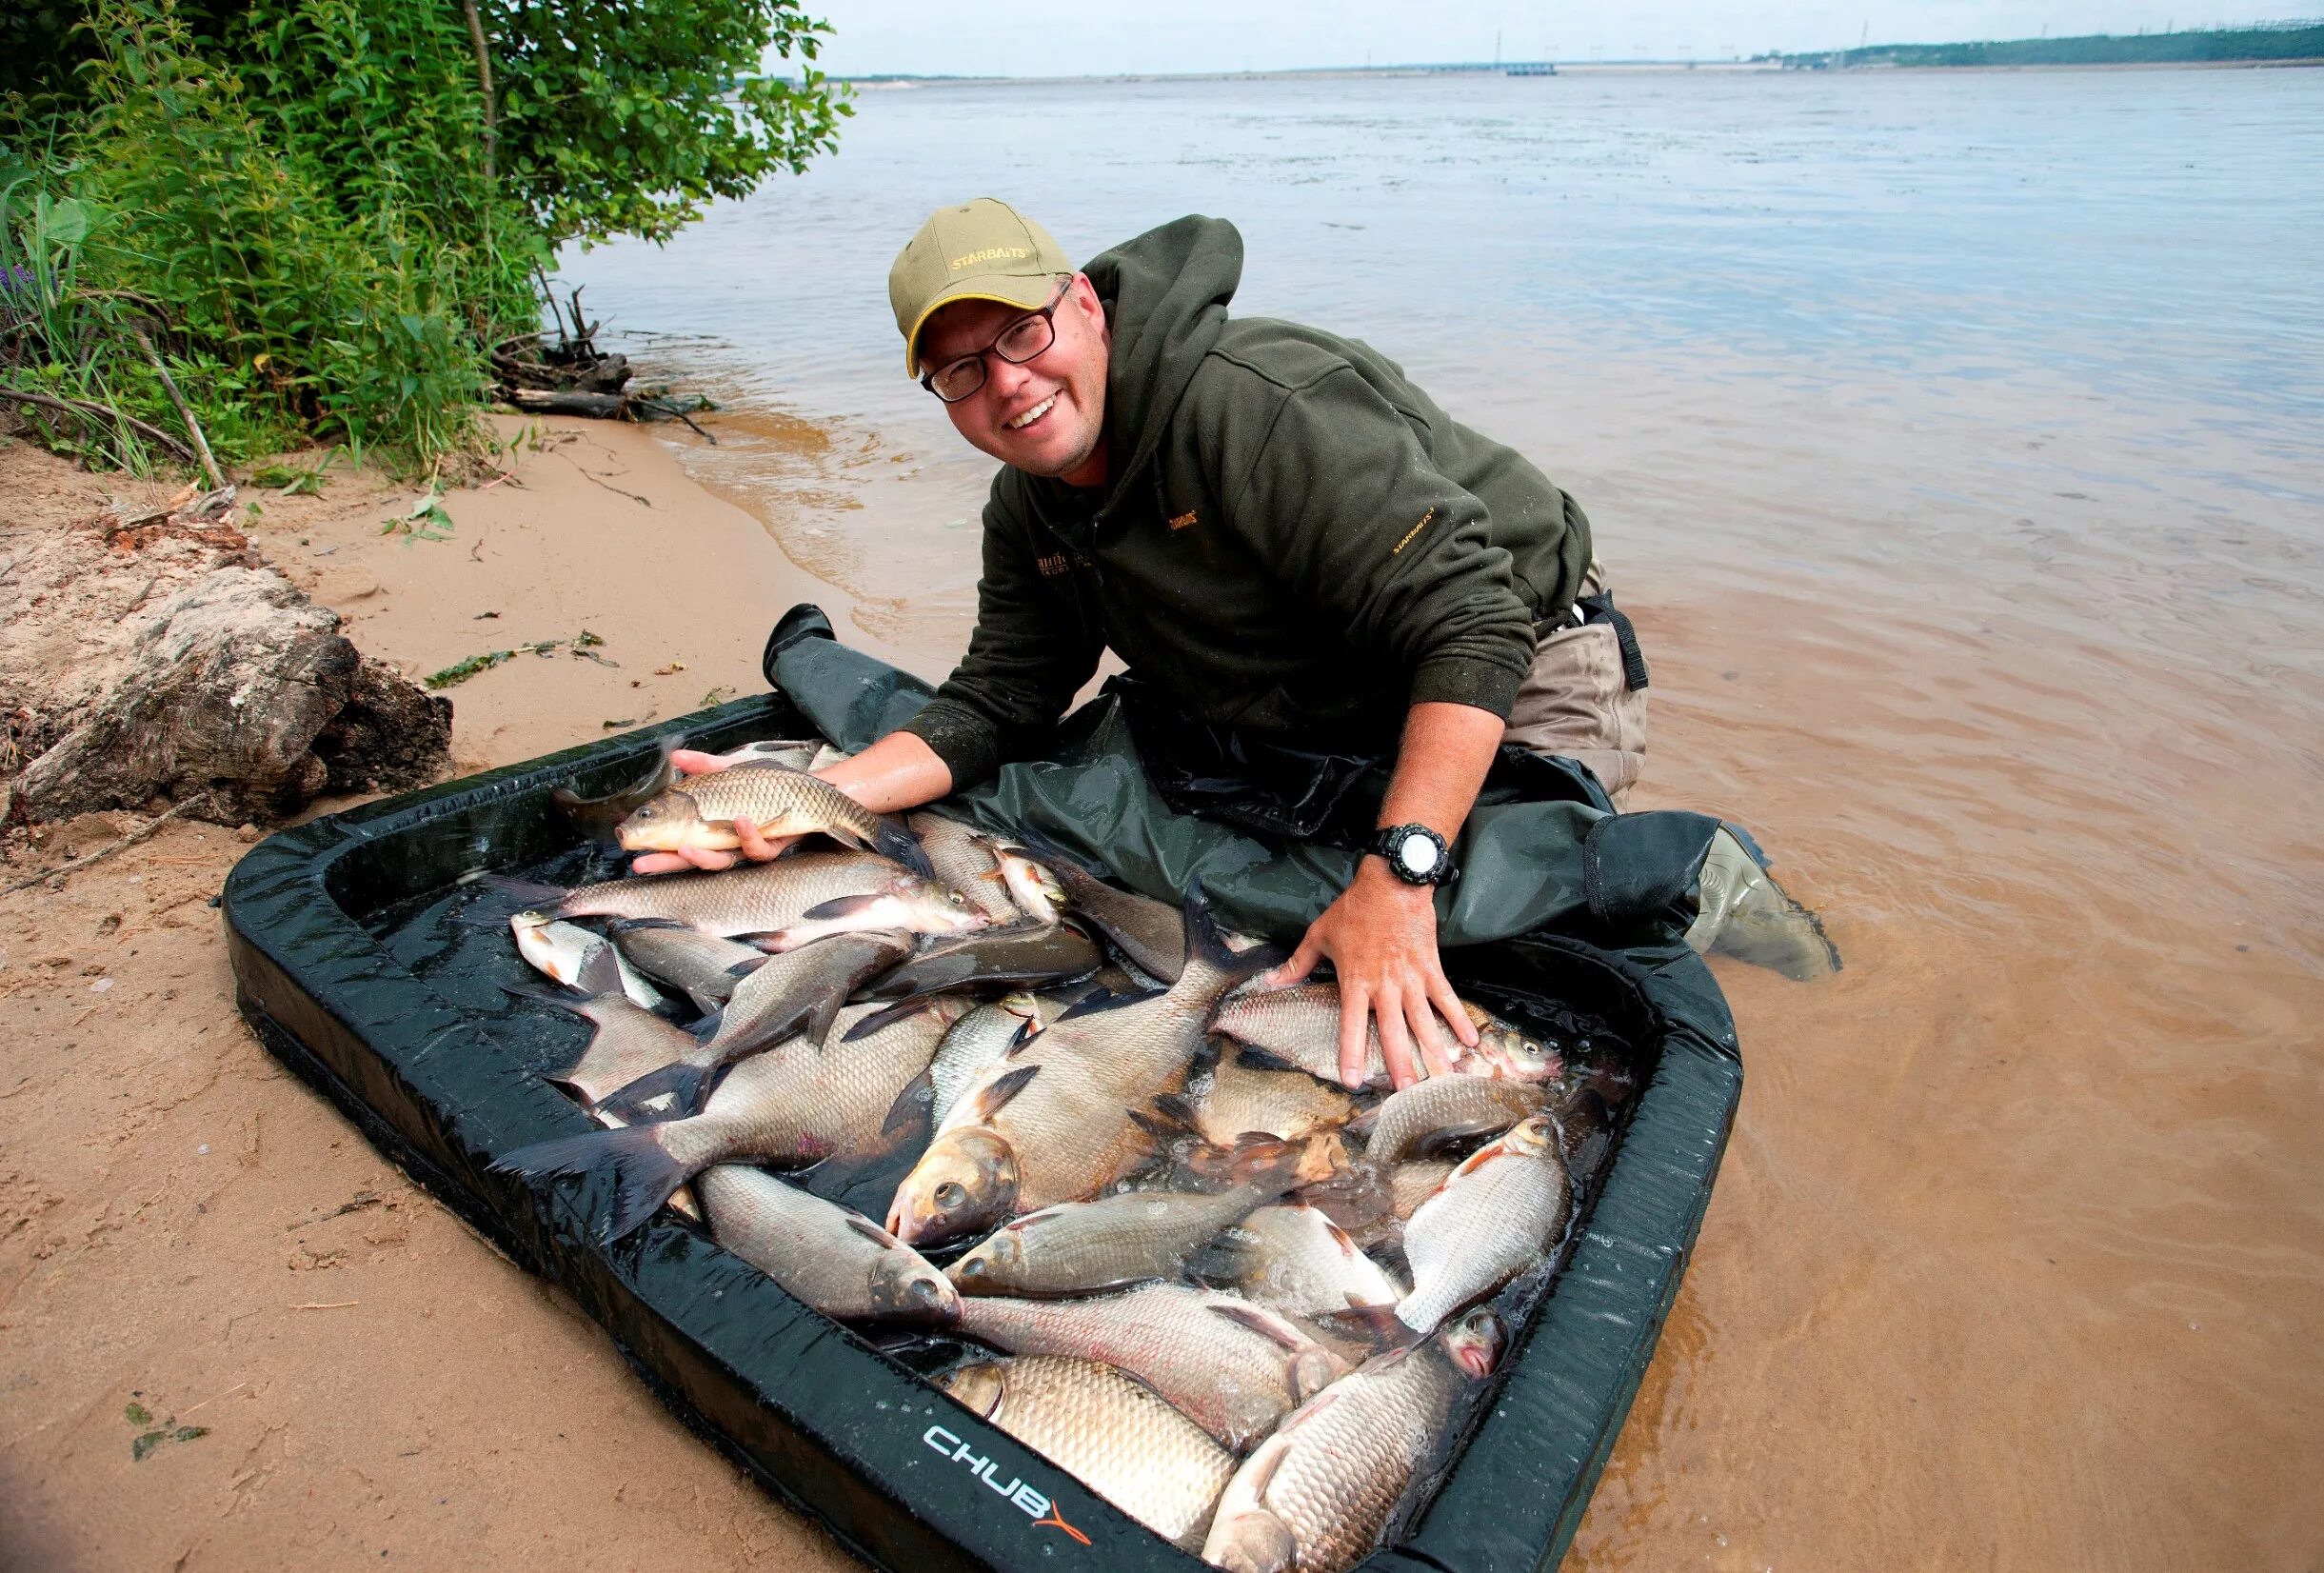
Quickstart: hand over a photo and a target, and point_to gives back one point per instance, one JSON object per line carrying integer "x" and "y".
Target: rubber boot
{"x": 1743, "y": 913}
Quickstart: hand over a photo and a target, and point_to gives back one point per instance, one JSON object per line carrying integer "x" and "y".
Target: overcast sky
{"x": 1050, "y": 38}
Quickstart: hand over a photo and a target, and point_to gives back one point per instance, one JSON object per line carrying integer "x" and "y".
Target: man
{"x": 1277, "y": 528}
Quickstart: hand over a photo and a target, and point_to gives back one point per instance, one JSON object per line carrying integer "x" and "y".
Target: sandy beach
{"x": 1952, "y": 1307}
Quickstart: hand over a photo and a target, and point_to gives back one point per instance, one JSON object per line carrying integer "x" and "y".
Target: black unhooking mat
{"x": 353, "y": 967}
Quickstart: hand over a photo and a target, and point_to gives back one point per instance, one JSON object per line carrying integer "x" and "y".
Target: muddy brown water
{"x": 1957, "y": 442}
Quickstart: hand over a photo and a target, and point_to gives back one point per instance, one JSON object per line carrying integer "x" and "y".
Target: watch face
{"x": 1417, "y": 853}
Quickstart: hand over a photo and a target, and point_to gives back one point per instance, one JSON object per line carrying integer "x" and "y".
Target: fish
{"x": 799, "y": 993}
{"x": 699, "y": 813}
{"x": 1012, "y": 956}
{"x": 963, "y": 859}
{"x": 1315, "y": 1495}
{"x": 1247, "y": 1095}
{"x": 798, "y": 753}
{"x": 916, "y": 905}
{"x": 628, "y": 1042}
{"x": 759, "y": 898}
{"x": 798, "y": 1103}
{"x": 1371, "y": 1202}
{"x": 1145, "y": 930}
{"x": 1030, "y": 884}
{"x": 1110, "y": 1433}
{"x": 1495, "y": 1215}
{"x": 821, "y": 1254}
{"x": 1061, "y": 1123}
{"x": 1290, "y": 1258}
{"x": 561, "y": 950}
{"x": 1232, "y": 1367}
{"x": 703, "y": 967}
{"x": 1300, "y": 1026}
{"x": 1449, "y": 1108}
{"x": 601, "y": 815}
{"x": 977, "y": 1041}
{"x": 1087, "y": 1248}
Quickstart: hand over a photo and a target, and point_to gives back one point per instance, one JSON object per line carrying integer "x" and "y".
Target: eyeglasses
{"x": 1019, "y": 341}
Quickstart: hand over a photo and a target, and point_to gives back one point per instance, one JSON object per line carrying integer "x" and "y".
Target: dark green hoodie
{"x": 1294, "y": 540}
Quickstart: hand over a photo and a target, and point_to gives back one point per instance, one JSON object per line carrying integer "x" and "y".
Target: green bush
{"x": 324, "y": 240}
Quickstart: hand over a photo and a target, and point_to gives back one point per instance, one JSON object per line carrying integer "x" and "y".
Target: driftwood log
{"x": 164, "y": 662}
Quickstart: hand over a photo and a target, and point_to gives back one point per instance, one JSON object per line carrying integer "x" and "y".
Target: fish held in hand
{"x": 1497, "y": 1214}
{"x": 1056, "y": 1126}
{"x": 1108, "y": 1432}
{"x": 837, "y": 1261}
{"x": 1315, "y": 1496}
{"x": 1232, "y": 1367}
{"x": 699, "y": 813}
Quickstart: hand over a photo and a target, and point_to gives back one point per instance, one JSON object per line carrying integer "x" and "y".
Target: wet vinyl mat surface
{"x": 361, "y": 964}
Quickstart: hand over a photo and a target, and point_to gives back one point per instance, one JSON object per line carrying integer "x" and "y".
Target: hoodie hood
{"x": 1166, "y": 296}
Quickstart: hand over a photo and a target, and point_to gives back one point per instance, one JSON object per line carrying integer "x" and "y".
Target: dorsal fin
{"x": 879, "y": 1019}
{"x": 872, "y": 1232}
{"x": 1267, "y": 1324}
{"x": 994, "y": 1096}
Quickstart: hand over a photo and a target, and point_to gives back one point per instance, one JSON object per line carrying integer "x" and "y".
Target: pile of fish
{"x": 1240, "y": 1300}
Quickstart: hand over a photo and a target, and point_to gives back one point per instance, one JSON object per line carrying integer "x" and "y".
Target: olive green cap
{"x": 983, "y": 249}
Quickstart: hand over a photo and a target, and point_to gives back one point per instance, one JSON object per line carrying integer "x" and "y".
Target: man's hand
{"x": 898, "y": 771}
{"x": 1381, "y": 937}
{"x": 691, "y": 762}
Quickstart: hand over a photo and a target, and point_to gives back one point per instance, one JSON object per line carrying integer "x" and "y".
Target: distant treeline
{"x": 2298, "y": 41}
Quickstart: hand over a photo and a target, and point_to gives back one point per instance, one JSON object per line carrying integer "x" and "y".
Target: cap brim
{"x": 1026, "y": 291}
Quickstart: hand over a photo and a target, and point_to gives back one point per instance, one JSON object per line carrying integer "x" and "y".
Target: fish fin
{"x": 745, "y": 968}
{"x": 1378, "y": 1325}
{"x": 879, "y": 1019}
{"x": 1162, "y": 1131}
{"x": 1265, "y": 1323}
{"x": 644, "y": 1173}
{"x": 842, "y": 906}
{"x": 822, "y": 1016}
{"x": 706, "y": 1031}
{"x": 561, "y": 996}
{"x": 1250, "y": 1057}
{"x": 900, "y": 844}
{"x": 1026, "y": 1031}
{"x": 1321, "y": 1158}
{"x": 918, "y": 1097}
{"x": 1101, "y": 999}
{"x": 872, "y": 1231}
{"x": 684, "y": 1086}
{"x": 994, "y": 1096}
{"x": 632, "y": 925}
{"x": 1207, "y": 942}
{"x": 601, "y": 973}
{"x": 708, "y": 1005}
{"x": 1176, "y": 1107}
{"x": 1267, "y": 1161}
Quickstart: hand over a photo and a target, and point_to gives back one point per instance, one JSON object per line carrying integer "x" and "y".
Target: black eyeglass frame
{"x": 1047, "y": 314}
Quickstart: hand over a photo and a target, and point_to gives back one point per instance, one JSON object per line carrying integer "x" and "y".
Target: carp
{"x": 1300, "y": 1026}
{"x": 1495, "y": 1215}
{"x": 821, "y": 1254}
{"x": 700, "y": 812}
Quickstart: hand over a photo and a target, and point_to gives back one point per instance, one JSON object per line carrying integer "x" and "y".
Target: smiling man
{"x": 1274, "y": 528}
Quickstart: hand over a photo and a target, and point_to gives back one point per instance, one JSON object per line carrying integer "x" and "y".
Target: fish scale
{"x": 1113, "y": 1435}
{"x": 821, "y": 1254}
{"x": 1301, "y": 1026}
{"x": 1232, "y": 1367}
{"x": 701, "y": 812}
{"x": 1315, "y": 1495}
{"x": 757, "y": 899}
{"x": 1496, "y": 1214}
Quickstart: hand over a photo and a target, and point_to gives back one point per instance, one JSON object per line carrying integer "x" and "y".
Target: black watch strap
{"x": 1415, "y": 854}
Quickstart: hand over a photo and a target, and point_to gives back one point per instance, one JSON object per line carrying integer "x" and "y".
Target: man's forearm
{"x": 898, "y": 771}
{"x": 1440, "y": 765}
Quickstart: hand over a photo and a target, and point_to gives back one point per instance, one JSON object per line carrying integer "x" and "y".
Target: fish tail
{"x": 900, "y": 844}
{"x": 1206, "y": 949}
{"x": 670, "y": 1092}
{"x": 644, "y": 1173}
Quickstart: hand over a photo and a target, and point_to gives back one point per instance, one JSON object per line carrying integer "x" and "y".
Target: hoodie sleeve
{"x": 1030, "y": 653}
{"x": 1342, "y": 499}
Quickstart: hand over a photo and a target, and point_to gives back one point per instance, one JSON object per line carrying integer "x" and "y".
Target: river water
{"x": 1958, "y": 443}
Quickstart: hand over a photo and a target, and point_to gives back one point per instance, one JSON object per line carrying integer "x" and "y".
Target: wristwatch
{"x": 1416, "y": 854}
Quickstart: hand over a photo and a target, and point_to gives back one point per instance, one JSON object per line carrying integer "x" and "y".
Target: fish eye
{"x": 950, "y": 1194}
{"x": 974, "y": 1267}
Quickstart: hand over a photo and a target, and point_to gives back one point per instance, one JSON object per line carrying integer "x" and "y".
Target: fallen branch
{"x": 193, "y": 428}
{"x": 97, "y": 857}
{"x": 83, "y": 410}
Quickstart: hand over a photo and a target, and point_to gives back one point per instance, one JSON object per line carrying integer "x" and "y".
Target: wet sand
{"x": 2016, "y": 1259}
